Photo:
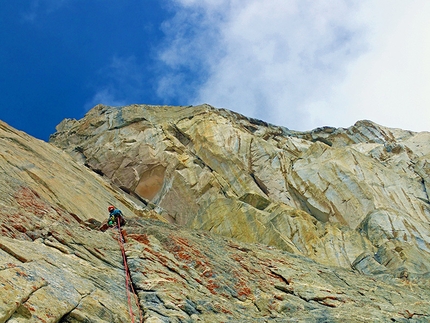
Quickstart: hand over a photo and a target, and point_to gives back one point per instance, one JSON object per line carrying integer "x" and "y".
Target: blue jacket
{"x": 115, "y": 213}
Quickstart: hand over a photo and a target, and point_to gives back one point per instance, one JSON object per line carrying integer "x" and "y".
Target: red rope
{"x": 128, "y": 281}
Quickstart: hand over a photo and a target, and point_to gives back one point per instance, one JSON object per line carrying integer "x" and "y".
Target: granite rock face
{"x": 52, "y": 265}
{"x": 229, "y": 219}
{"x": 345, "y": 197}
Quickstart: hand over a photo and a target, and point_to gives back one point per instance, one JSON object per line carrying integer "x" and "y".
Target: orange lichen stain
{"x": 207, "y": 272}
{"x": 253, "y": 269}
{"x": 190, "y": 257}
{"x": 171, "y": 279}
{"x": 161, "y": 259}
{"x": 19, "y": 227}
{"x": 31, "y": 202}
{"x": 7, "y": 232}
{"x": 222, "y": 309}
{"x": 180, "y": 240}
{"x": 211, "y": 285}
{"x": 184, "y": 251}
{"x": 183, "y": 255}
{"x": 142, "y": 238}
{"x": 241, "y": 287}
{"x": 21, "y": 274}
{"x": 279, "y": 297}
{"x": 243, "y": 290}
{"x": 226, "y": 311}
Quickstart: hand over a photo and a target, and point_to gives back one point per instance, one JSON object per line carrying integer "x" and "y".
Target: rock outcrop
{"x": 346, "y": 197}
{"x": 229, "y": 219}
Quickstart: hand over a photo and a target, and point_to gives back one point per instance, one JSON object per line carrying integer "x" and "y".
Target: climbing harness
{"x": 128, "y": 282}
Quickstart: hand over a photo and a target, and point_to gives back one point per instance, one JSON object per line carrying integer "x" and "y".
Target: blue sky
{"x": 296, "y": 63}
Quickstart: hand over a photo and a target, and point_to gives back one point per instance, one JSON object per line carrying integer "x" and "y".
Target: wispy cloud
{"x": 42, "y": 7}
{"x": 104, "y": 96}
{"x": 119, "y": 83}
{"x": 303, "y": 64}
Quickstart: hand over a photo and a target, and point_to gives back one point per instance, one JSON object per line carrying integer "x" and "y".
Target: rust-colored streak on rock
{"x": 142, "y": 238}
{"x": 31, "y": 201}
{"x": 151, "y": 182}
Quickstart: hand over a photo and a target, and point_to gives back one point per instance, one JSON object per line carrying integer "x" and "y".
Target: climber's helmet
{"x": 111, "y": 208}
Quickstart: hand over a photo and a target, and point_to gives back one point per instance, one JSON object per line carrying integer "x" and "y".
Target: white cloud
{"x": 304, "y": 64}
{"x": 390, "y": 83}
{"x": 104, "y": 96}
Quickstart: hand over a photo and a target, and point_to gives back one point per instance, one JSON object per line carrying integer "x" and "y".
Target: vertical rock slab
{"x": 217, "y": 170}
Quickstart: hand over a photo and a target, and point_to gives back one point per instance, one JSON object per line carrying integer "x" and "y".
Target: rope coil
{"x": 128, "y": 282}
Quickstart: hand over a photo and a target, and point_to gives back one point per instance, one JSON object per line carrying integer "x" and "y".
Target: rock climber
{"x": 114, "y": 214}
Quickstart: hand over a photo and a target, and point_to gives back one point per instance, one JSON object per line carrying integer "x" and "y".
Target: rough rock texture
{"x": 346, "y": 197}
{"x": 31, "y": 168}
{"x": 212, "y": 171}
{"x": 193, "y": 276}
{"x": 52, "y": 266}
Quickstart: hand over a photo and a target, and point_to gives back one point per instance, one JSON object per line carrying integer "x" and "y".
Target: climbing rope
{"x": 128, "y": 282}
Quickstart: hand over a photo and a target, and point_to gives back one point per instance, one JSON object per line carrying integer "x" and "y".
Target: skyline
{"x": 297, "y": 64}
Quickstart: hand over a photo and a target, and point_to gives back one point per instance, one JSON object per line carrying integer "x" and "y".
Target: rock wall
{"x": 346, "y": 197}
{"x": 53, "y": 267}
{"x": 248, "y": 183}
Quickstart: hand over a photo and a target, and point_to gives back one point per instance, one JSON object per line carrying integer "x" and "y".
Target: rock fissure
{"x": 14, "y": 254}
{"x": 58, "y": 246}
{"x": 410, "y": 315}
{"x": 260, "y": 184}
{"x": 65, "y": 317}
{"x": 423, "y": 183}
{"x": 326, "y": 300}
{"x": 342, "y": 279}
{"x": 285, "y": 280}
{"x": 96, "y": 253}
{"x": 21, "y": 305}
{"x": 160, "y": 313}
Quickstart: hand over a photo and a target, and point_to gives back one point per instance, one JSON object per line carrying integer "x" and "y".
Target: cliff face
{"x": 346, "y": 197}
{"x": 229, "y": 219}
{"x": 52, "y": 265}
